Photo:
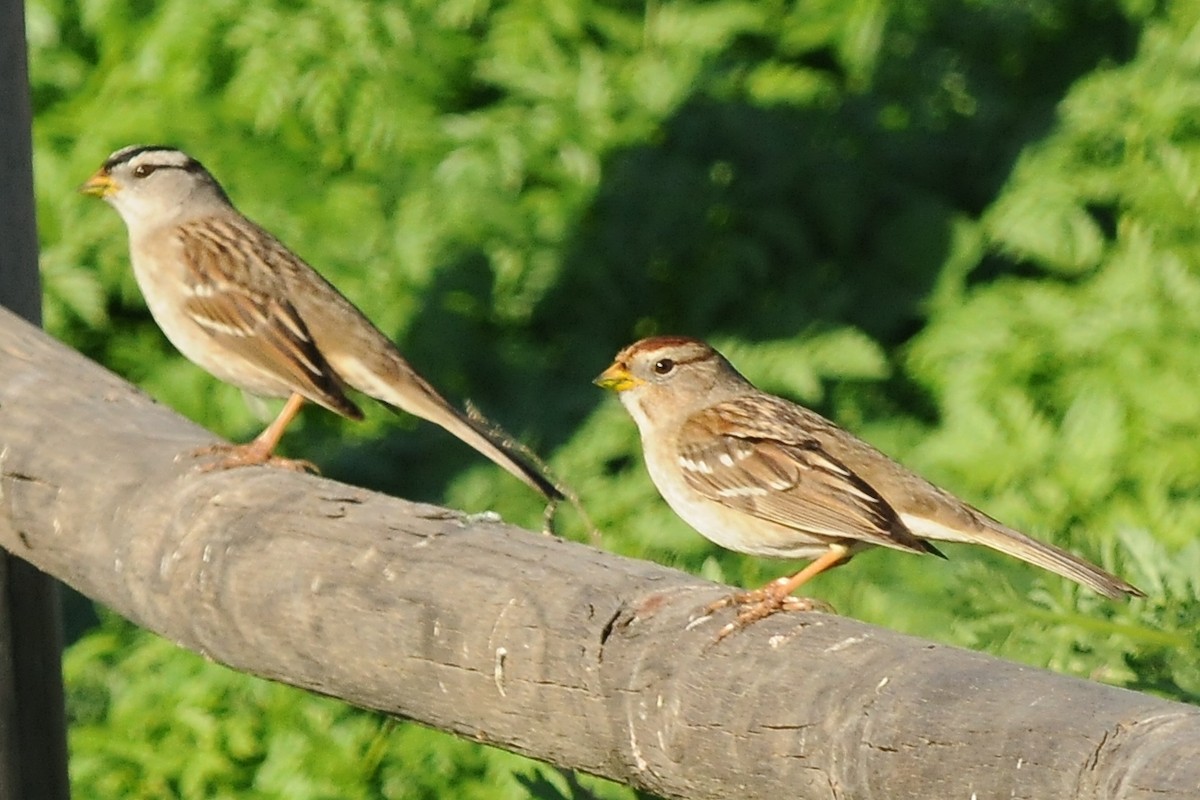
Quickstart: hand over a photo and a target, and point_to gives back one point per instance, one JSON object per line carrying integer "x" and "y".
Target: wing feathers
{"x": 768, "y": 467}
{"x": 246, "y": 314}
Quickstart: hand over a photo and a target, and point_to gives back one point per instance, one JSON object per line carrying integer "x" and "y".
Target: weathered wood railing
{"x": 538, "y": 645}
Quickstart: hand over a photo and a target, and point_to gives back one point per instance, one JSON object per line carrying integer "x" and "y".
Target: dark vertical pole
{"x": 33, "y": 739}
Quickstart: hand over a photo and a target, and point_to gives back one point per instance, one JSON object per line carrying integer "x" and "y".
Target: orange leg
{"x": 828, "y": 561}
{"x": 776, "y": 595}
{"x": 261, "y": 449}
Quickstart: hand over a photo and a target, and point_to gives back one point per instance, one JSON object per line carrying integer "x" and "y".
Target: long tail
{"x": 410, "y": 392}
{"x": 991, "y": 533}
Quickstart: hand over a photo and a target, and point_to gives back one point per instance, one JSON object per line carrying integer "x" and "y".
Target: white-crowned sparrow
{"x": 760, "y": 475}
{"x": 233, "y": 299}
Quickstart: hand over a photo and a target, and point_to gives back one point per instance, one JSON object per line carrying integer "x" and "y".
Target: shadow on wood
{"x": 541, "y": 646}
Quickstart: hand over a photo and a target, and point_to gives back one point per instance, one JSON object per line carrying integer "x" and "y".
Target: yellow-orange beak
{"x": 100, "y": 185}
{"x": 617, "y": 378}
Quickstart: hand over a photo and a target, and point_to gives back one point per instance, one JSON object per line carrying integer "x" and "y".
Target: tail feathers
{"x": 512, "y": 456}
{"x": 1018, "y": 545}
{"x": 411, "y": 393}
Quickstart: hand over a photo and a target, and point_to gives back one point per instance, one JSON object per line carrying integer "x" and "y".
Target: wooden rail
{"x": 541, "y": 646}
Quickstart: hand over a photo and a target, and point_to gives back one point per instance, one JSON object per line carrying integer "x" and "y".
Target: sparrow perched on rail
{"x": 233, "y": 299}
{"x": 760, "y": 475}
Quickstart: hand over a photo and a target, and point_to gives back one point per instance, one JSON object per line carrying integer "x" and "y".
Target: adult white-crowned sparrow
{"x": 761, "y": 475}
{"x": 233, "y": 299}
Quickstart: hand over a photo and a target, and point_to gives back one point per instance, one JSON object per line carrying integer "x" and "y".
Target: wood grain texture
{"x": 537, "y": 645}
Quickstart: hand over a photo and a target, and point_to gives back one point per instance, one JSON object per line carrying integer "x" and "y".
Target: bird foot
{"x": 760, "y": 604}
{"x": 248, "y": 455}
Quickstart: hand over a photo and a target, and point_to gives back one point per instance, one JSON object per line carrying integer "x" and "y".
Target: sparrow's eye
{"x": 142, "y": 170}
{"x": 663, "y": 366}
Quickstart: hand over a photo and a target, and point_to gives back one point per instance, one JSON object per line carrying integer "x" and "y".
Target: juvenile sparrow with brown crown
{"x": 233, "y": 299}
{"x": 760, "y": 475}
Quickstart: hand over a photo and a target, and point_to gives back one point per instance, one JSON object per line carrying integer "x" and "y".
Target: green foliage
{"x": 204, "y": 731}
{"x": 967, "y": 231}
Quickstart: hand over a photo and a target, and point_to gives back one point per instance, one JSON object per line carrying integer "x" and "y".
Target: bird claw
{"x": 759, "y": 604}
{"x": 247, "y": 455}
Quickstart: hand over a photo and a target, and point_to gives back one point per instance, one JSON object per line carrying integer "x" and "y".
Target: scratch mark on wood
{"x": 498, "y": 670}
{"x": 847, "y": 642}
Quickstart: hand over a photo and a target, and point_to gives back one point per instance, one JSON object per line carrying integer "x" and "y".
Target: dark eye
{"x": 142, "y": 170}
{"x": 663, "y": 366}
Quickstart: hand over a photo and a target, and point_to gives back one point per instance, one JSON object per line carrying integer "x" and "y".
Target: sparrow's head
{"x": 151, "y": 185}
{"x": 670, "y": 377}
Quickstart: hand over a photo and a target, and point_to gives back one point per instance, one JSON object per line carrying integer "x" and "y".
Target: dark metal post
{"x": 33, "y": 741}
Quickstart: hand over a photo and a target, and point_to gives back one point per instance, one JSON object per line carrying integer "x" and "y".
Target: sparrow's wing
{"x": 754, "y": 454}
{"x": 237, "y": 294}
